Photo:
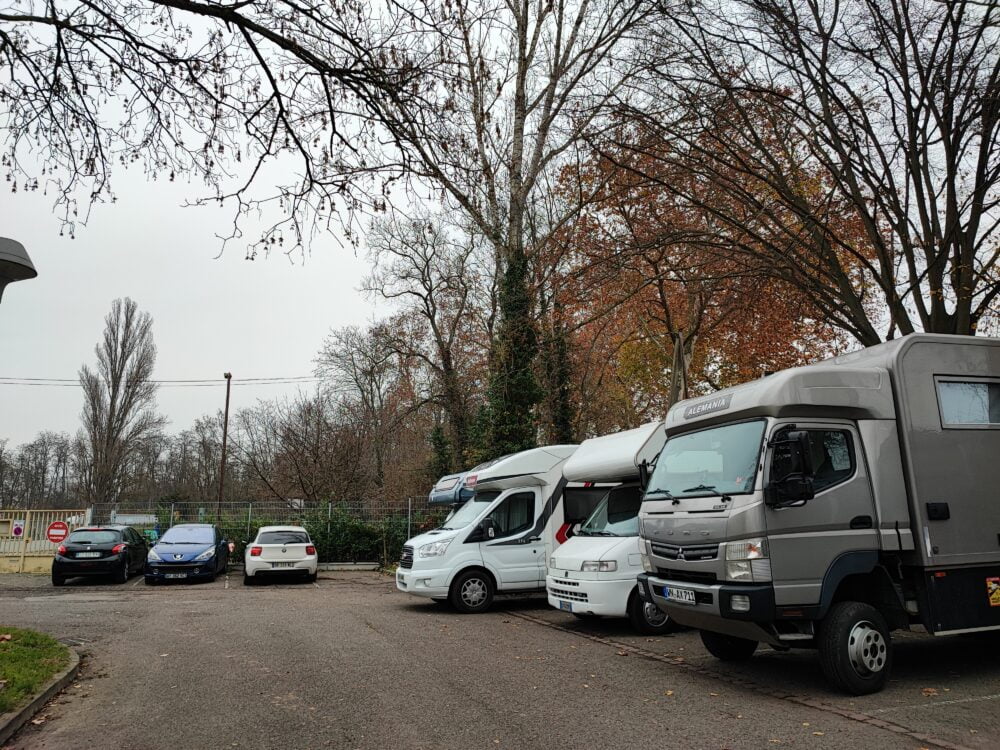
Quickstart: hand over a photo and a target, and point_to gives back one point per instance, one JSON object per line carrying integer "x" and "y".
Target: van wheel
{"x": 855, "y": 649}
{"x": 646, "y": 617}
{"x": 728, "y": 647}
{"x": 472, "y": 592}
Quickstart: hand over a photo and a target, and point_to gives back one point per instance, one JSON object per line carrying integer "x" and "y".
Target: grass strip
{"x": 27, "y": 661}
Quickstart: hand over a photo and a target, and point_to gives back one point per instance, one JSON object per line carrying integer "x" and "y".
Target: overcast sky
{"x": 260, "y": 318}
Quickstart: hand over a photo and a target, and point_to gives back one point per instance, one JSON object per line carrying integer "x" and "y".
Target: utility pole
{"x": 225, "y": 434}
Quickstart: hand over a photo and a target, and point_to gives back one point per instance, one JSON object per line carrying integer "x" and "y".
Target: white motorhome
{"x": 497, "y": 541}
{"x": 594, "y": 573}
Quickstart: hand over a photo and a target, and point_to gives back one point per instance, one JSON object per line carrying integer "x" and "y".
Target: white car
{"x": 280, "y": 550}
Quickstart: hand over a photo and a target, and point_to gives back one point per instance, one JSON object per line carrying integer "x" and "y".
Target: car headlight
{"x": 153, "y": 557}
{"x": 647, "y": 563}
{"x": 434, "y": 549}
{"x": 748, "y": 561}
{"x": 599, "y": 566}
{"x": 206, "y": 555}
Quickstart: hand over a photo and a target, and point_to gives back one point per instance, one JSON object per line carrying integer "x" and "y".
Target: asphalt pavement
{"x": 349, "y": 662}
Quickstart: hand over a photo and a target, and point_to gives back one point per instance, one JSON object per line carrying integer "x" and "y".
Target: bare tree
{"x": 119, "y": 398}
{"x": 853, "y": 146}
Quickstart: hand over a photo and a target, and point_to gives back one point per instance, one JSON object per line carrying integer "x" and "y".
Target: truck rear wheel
{"x": 646, "y": 617}
{"x": 855, "y": 649}
{"x": 472, "y": 592}
{"x": 728, "y": 647}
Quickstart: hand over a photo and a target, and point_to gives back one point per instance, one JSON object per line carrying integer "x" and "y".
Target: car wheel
{"x": 472, "y": 592}
{"x": 855, "y": 649}
{"x": 149, "y": 580}
{"x": 58, "y": 580}
{"x": 728, "y": 647}
{"x": 121, "y": 575}
{"x": 311, "y": 578}
{"x": 646, "y": 617}
{"x": 247, "y": 580}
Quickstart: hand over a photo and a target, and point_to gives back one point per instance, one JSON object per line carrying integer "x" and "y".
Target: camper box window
{"x": 969, "y": 403}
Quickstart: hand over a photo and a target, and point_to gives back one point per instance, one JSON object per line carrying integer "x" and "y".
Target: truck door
{"x": 806, "y": 539}
{"x": 516, "y": 551}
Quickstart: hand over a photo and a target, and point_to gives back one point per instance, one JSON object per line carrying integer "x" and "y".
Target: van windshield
{"x": 616, "y": 515}
{"x": 717, "y": 461}
{"x": 470, "y": 511}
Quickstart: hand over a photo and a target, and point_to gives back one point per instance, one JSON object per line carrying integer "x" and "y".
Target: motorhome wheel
{"x": 472, "y": 592}
{"x": 647, "y": 618}
{"x": 855, "y": 649}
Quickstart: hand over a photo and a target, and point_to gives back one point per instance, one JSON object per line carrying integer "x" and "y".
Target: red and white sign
{"x": 57, "y": 531}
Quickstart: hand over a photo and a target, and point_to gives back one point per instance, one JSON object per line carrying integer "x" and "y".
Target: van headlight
{"x": 747, "y": 561}
{"x": 434, "y": 549}
{"x": 599, "y": 566}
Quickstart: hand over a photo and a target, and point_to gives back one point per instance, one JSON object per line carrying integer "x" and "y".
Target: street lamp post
{"x": 15, "y": 265}
{"x": 225, "y": 434}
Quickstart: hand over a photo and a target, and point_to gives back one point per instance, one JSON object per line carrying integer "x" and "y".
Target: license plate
{"x": 682, "y": 596}
{"x": 282, "y": 565}
{"x": 568, "y": 606}
{"x": 88, "y": 554}
{"x": 175, "y": 575}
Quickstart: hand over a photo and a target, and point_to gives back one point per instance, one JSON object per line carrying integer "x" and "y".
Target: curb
{"x": 11, "y": 722}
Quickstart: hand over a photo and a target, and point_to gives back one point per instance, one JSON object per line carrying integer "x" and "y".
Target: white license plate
{"x": 682, "y": 596}
{"x": 175, "y": 575}
{"x": 568, "y": 606}
{"x": 282, "y": 565}
{"x": 88, "y": 554}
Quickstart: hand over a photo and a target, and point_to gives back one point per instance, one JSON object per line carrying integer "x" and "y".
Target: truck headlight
{"x": 599, "y": 566}
{"x": 647, "y": 563}
{"x": 434, "y": 549}
{"x": 748, "y": 561}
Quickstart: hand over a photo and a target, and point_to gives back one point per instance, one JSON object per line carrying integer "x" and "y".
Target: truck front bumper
{"x": 713, "y": 606}
{"x": 429, "y": 583}
{"x": 593, "y": 597}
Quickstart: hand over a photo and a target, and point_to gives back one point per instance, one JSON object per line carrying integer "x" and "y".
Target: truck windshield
{"x": 616, "y": 515}
{"x": 716, "y": 461}
{"x": 470, "y": 511}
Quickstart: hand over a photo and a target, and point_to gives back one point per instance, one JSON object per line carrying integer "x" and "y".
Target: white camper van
{"x": 594, "y": 573}
{"x": 497, "y": 541}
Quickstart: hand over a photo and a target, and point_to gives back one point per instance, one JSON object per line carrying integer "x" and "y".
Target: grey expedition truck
{"x": 826, "y": 506}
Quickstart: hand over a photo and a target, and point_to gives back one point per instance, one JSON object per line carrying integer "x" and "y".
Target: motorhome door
{"x": 516, "y": 551}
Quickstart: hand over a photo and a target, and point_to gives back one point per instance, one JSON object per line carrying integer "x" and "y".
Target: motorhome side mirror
{"x": 488, "y": 529}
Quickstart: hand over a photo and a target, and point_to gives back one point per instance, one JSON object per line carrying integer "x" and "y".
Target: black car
{"x": 117, "y": 551}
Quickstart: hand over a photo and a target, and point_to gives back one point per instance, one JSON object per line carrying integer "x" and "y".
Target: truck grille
{"x": 572, "y": 596}
{"x": 691, "y": 553}
{"x": 406, "y": 559}
{"x": 690, "y": 576}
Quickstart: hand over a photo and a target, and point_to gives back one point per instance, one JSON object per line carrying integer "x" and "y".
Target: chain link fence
{"x": 342, "y": 533}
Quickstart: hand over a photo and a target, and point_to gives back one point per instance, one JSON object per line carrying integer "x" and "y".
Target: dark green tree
{"x": 442, "y": 457}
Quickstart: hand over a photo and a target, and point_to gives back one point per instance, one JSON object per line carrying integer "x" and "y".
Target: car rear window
{"x": 94, "y": 536}
{"x": 283, "y": 537}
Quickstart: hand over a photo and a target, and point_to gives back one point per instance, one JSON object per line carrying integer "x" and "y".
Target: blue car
{"x": 189, "y": 551}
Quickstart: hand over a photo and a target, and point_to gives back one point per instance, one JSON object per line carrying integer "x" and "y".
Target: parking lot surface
{"x": 349, "y": 662}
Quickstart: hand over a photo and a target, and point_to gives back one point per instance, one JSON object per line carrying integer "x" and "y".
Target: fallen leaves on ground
{"x": 929, "y": 692}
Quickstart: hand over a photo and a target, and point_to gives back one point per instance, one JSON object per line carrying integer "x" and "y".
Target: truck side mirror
{"x": 792, "y": 490}
{"x": 796, "y": 486}
{"x": 799, "y": 442}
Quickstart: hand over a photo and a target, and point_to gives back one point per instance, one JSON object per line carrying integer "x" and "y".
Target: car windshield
{"x": 188, "y": 535}
{"x": 94, "y": 536}
{"x": 283, "y": 537}
{"x": 717, "y": 461}
{"x": 470, "y": 511}
{"x": 616, "y": 515}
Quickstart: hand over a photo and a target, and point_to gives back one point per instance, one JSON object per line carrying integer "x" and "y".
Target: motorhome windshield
{"x": 616, "y": 515}
{"x": 716, "y": 461}
{"x": 470, "y": 511}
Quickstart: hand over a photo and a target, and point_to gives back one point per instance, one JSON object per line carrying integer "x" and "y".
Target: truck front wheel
{"x": 728, "y": 647}
{"x": 855, "y": 650}
{"x": 472, "y": 592}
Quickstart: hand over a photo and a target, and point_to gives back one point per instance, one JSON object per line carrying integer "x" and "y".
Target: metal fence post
{"x": 171, "y": 522}
{"x": 249, "y": 511}
{"x": 409, "y": 517}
